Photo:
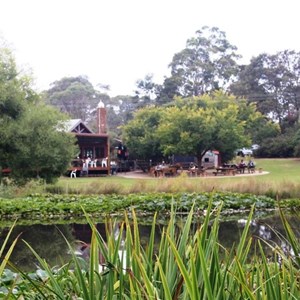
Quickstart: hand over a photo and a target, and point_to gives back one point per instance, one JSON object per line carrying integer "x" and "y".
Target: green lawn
{"x": 283, "y": 178}
{"x": 281, "y": 170}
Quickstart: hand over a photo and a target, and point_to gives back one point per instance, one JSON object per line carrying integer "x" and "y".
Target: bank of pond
{"x": 163, "y": 246}
{"x": 37, "y": 207}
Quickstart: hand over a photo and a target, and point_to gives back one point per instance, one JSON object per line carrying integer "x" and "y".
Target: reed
{"x": 187, "y": 263}
{"x": 278, "y": 190}
{"x": 4, "y": 255}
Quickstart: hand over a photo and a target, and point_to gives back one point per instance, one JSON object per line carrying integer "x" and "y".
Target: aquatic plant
{"x": 51, "y": 207}
{"x": 187, "y": 264}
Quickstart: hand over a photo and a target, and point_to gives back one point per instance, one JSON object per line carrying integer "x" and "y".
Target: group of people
{"x": 250, "y": 166}
{"x": 88, "y": 162}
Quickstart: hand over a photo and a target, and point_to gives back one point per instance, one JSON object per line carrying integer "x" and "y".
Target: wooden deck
{"x": 92, "y": 171}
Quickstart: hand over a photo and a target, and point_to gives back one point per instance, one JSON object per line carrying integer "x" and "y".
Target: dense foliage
{"x": 75, "y": 96}
{"x": 272, "y": 81}
{"x": 33, "y": 143}
{"x": 193, "y": 126}
{"x": 208, "y": 63}
{"x": 67, "y": 206}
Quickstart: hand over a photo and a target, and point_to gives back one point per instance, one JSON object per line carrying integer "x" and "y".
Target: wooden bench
{"x": 251, "y": 169}
{"x": 197, "y": 172}
{"x": 216, "y": 173}
{"x": 241, "y": 170}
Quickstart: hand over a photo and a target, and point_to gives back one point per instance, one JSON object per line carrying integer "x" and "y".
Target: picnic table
{"x": 239, "y": 168}
{"x": 164, "y": 170}
{"x": 225, "y": 171}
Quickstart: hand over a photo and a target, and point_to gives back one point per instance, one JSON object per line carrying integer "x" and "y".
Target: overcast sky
{"x": 117, "y": 42}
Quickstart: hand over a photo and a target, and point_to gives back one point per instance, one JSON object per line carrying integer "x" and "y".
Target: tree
{"x": 208, "y": 63}
{"x": 42, "y": 148}
{"x": 120, "y": 110}
{"x": 75, "y": 96}
{"x": 257, "y": 125}
{"x": 280, "y": 146}
{"x": 296, "y": 142}
{"x": 10, "y": 107}
{"x": 31, "y": 143}
{"x": 272, "y": 81}
{"x": 146, "y": 88}
{"x": 15, "y": 94}
{"x": 191, "y": 131}
{"x": 168, "y": 90}
{"x": 191, "y": 126}
{"x": 139, "y": 134}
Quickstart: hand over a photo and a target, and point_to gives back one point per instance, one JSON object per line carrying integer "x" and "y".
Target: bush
{"x": 278, "y": 147}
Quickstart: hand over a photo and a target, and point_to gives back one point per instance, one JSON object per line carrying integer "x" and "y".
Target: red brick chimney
{"x": 101, "y": 118}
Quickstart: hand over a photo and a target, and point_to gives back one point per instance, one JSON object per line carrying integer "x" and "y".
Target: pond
{"x": 48, "y": 241}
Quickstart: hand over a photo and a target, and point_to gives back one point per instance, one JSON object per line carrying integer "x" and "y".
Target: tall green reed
{"x": 187, "y": 263}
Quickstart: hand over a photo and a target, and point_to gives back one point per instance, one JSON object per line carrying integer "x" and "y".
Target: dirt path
{"x": 141, "y": 175}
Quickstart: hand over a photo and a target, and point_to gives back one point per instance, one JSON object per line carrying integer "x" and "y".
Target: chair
{"x": 85, "y": 169}
{"x": 73, "y": 173}
{"x": 94, "y": 163}
{"x": 104, "y": 162}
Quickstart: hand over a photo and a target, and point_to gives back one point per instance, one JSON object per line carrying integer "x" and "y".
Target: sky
{"x": 117, "y": 42}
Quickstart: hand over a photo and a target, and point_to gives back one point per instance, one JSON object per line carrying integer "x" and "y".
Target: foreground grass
{"x": 282, "y": 181}
{"x": 187, "y": 264}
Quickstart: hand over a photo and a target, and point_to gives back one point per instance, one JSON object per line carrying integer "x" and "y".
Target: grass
{"x": 282, "y": 181}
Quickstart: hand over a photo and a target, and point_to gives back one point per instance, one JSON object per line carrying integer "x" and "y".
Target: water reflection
{"x": 48, "y": 241}
{"x": 270, "y": 230}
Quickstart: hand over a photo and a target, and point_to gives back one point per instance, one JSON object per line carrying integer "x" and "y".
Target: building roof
{"x": 77, "y": 126}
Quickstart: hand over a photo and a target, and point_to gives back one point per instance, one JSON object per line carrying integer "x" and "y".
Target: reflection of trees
{"x": 271, "y": 230}
{"x": 46, "y": 240}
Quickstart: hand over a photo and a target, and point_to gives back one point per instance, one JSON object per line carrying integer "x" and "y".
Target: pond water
{"x": 48, "y": 241}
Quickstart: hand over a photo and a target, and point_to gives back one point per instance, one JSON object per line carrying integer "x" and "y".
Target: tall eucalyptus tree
{"x": 209, "y": 62}
{"x": 273, "y": 82}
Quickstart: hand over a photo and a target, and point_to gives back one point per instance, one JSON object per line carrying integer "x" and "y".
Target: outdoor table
{"x": 224, "y": 171}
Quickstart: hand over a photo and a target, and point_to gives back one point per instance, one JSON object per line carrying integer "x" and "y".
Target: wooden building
{"x": 93, "y": 159}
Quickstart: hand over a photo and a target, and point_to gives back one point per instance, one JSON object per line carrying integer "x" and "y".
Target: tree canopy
{"x": 191, "y": 126}
{"x": 272, "y": 81}
{"x": 32, "y": 142}
{"x": 208, "y": 63}
{"x": 42, "y": 148}
{"x": 75, "y": 96}
{"x": 140, "y": 134}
